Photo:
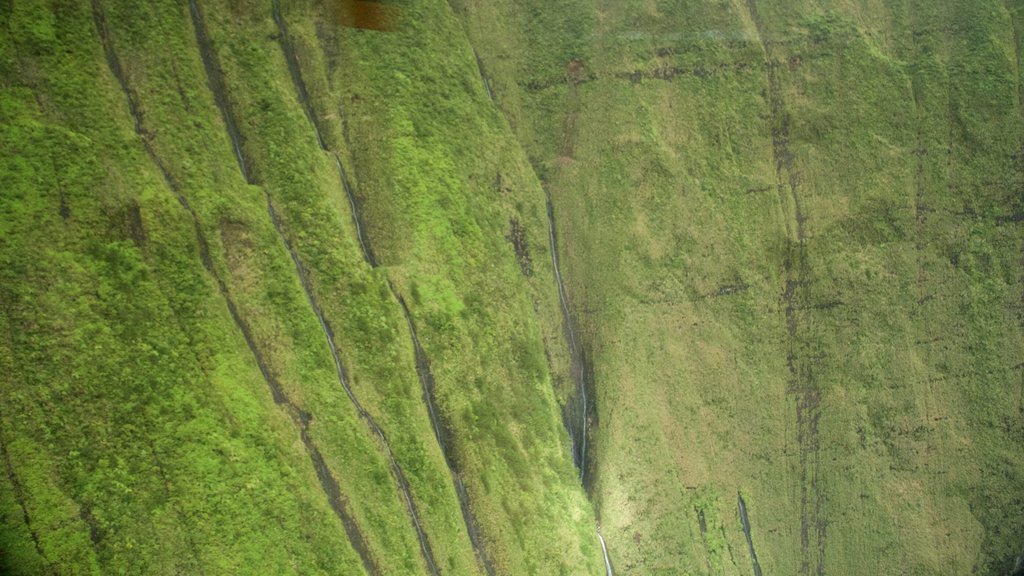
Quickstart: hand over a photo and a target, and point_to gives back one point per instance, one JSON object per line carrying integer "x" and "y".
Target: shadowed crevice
{"x": 745, "y": 521}
{"x": 375, "y": 429}
{"x": 579, "y": 409}
{"x": 302, "y": 94}
{"x": 442, "y": 431}
{"x": 20, "y": 497}
{"x": 215, "y": 81}
{"x": 301, "y": 418}
{"x": 483, "y": 75}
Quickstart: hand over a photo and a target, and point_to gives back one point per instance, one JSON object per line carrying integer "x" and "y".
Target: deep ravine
{"x": 577, "y": 428}
{"x": 575, "y": 414}
{"x": 578, "y": 409}
{"x": 216, "y": 83}
{"x": 301, "y": 418}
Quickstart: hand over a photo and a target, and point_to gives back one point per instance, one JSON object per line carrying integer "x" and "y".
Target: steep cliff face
{"x": 791, "y": 234}
{"x": 738, "y": 284}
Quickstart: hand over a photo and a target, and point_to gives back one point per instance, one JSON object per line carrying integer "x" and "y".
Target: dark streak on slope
{"x": 357, "y": 218}
{"x": 403, "y": 484}
{"x": 19, "y": 497}
{"x": 746, "y": 532}
{"x": 484, "y": 78}
{"x": 577, "y": 410}
{"x": 802, "y": 382}
{"x": 702, "y": 524}
{"x": 426, "y": 378}
{"x": 302, "y": 418}
{"x": 114, "y": 63}
{"x": 442, "y": 430}
{"x": 215, "y": 80}
{"x": 422, "y": 364}
{"x": 483, "y": 75}
{"x": 222, "y": 100}
{"x": 295, "y": 70}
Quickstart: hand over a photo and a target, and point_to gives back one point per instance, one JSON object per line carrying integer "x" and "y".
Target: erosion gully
{"x": 440, "y": 427}
{"x": 483, "y": 75}
{"x": 334, "y": 494}
{"x": 216, "y": 84}
{"x": 300, "y": 417}
{"x": 20, "y": 497}
{"x": 578, "y": 410}
{"x": 746, "y": 532}
{"x": 802, "y": 351}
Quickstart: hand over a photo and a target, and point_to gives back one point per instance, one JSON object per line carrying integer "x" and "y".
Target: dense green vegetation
{"x": 790, "y": 235}
{"x": 792, "y": 230}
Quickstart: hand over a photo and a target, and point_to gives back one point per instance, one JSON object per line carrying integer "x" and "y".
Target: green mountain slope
{"x": 738, "y": 283}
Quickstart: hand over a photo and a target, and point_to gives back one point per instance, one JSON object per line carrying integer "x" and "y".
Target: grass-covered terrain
{"x": 277, "y": 295}
{"x": 792, "y": 232}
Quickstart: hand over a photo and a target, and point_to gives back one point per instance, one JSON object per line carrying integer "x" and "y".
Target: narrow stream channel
{"x": 216, "y": 84}
{"x": 424, "y": 374}
{"x": 575, "y": 415}
{"x": 441, "y": 432}
{"x": 300, "y": 418}
{"x": 577, "y": 428}
{"x": 746, "y": 532}
{"x": 302, "y": 93}
{"x": 403, "y": 484}
{"x": 483, "y": 75}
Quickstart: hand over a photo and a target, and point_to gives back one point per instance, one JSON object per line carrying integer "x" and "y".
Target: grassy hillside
{"x": 792, "y": 235}
{"x": 278, "y": 295}
{"x": 170, "y": 387}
